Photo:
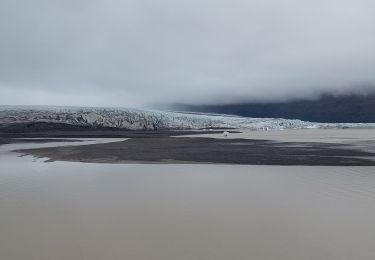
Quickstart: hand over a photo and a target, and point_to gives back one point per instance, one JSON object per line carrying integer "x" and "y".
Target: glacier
{"x": 143, "y": 119}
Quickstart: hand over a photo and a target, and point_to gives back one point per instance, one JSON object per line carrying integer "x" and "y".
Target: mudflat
{"x": 166, "y": 147}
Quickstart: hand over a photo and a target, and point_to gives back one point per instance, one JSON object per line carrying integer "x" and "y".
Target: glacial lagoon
{"x": 73, "y": 210}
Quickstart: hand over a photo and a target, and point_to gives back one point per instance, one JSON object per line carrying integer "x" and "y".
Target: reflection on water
{"x": 63, "y": 210}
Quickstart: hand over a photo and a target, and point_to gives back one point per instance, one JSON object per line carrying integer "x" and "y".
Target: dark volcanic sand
{"x": 161, "y": 148}
{"x": 103, "y": 133}
{"x": 44, "y": 140}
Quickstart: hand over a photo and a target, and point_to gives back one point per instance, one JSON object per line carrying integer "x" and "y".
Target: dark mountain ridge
{"x": 326, "y": 109}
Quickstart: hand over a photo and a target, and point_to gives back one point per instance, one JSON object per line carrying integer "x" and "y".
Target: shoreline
{"x": 165, "y": 148}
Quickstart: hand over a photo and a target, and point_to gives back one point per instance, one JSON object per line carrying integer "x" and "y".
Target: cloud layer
{"x": 137, "y": 52}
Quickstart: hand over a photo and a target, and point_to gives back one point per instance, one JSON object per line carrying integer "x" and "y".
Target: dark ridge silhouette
{"x": 326, "y": 109}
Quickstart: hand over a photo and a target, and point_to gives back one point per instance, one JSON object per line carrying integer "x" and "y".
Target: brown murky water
{"x": 65, "y": 210}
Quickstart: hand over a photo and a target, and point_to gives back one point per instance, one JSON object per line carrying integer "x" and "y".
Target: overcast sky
{"x": 141, "y": 52}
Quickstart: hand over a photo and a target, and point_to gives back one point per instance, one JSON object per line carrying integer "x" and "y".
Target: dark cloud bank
{"x": 141, "y": 52}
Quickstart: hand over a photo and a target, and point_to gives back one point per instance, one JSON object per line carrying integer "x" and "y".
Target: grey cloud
{"x": 129, "y": 53}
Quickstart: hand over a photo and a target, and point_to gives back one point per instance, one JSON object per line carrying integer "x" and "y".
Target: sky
{"x": 134, "y": 53}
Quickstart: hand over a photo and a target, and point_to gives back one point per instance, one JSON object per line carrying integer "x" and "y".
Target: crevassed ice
{"x": 136, "y": 119}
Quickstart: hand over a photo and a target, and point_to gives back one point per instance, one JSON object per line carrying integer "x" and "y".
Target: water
{"x": 67, "y": 210}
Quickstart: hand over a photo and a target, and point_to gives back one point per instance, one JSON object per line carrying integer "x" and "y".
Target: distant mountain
{"x": 326, "y": 109}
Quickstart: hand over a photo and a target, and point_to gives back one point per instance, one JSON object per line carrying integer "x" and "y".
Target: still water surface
{"x": 69, "y": 210}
